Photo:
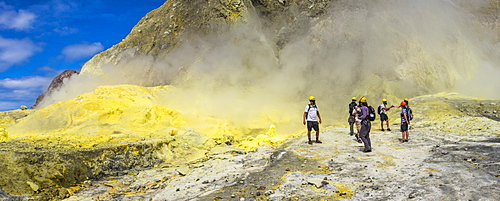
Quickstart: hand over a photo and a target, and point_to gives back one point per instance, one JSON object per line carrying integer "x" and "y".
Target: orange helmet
{"x": 403, "y": 103}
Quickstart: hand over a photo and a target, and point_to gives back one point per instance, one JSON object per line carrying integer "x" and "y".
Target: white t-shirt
{"x": 382, "y": 111}
{"x": 356, "y": 112}
{"x": 313, "y": 112}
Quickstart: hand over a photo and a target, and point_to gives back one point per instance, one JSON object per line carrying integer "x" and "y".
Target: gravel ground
{"x": 428, "y": 167}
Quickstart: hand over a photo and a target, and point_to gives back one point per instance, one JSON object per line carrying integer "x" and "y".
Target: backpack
{"x": 379, "y": 109}
{"x": 309, "y": 108}
{"x": 371, "y": 114}
{"x": 409, "y": 114}
{"x": 351, "y": 107}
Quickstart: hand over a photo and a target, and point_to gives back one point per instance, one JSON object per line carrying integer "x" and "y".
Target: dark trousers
{"x": 364, "y": 134}
{"x": 351, "y": 121}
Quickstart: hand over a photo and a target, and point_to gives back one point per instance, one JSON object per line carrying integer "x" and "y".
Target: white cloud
{"x": 80, "y": 51}
{"x": 25, "y": 82}
{"x": 21, "y": 91}
{"x": 12, "y": 19}
{"x": 63, "y": 6}
{"x": 65, "y": 30}
{"x": 13, "y": 51}
{"x": 9, "y": 105}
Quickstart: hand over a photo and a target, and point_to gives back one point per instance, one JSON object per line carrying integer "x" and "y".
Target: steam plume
{"x": 380, "y": 49}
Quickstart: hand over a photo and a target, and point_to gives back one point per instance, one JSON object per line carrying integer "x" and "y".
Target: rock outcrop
{"x": 56, "y": 84}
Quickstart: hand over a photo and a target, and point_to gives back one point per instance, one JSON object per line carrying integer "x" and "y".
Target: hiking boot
{"x": 310, "y": 142}
{"x": 406, "y": 140}
{"x": 317, "y": 141}
{"x": 382, "y": 129}
{"x": 359, "y": 140}
{"x": 389, "y": 129}
{"x": 369, "y": 150}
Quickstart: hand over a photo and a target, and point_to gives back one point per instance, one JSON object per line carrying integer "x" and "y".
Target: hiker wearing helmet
{"x": 352, "y": 115}
{"x": 382, "y": 111}
{"x": 404, "y": 122}
{"x": 366, "y": 125}
{"x": 357, "y": 112}
{"x": 311, "y": 117}
{"x": 408, "y": 109}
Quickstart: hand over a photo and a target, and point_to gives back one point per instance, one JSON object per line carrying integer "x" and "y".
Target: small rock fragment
{"x": 412, "y": 195}
{"x": 183, "y": 171}
{"x": 316, "y": 182}
{"x": 33, "y": 186}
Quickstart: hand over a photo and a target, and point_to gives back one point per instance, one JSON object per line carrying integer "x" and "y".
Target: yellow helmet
{"x": 353, "y": 98}
{"x": 406, "y": 99}
{"x": 384, "y": 100}
{"x": 312, "y": 98}
{"x": 362, "y": 99}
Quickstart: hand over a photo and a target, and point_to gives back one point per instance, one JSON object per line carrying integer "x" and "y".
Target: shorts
{"x": 351, "y": 119}
{"x": 312, "y": 125}
{"x": 383, "y": 117}
{"x": 404, "y": 127}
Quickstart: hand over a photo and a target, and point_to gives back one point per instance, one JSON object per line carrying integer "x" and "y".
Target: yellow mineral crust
{"x": 123, "y": 114}
{"x": 3, "y": 134}
{"x": 447, "y": 112}
{"x": 108, "y": 113}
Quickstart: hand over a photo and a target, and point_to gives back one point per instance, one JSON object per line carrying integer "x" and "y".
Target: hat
{"x": 362, "y": 99}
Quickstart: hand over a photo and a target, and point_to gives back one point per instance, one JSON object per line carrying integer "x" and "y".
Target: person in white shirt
{"x": 383, "y": 114}
{"x": 311, "y": 117}
{"x": 356, "y": 112}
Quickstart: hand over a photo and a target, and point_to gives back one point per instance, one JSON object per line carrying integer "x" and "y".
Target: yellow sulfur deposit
{"x": 105, "y": 115}
{"x": 128, "y": 113}
{"x": 3, "y": 134}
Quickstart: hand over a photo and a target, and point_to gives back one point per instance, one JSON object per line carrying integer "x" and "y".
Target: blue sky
{"x": 41, "y": 38}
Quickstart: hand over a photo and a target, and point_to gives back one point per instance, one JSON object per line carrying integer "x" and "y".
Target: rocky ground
{"x": 452, "y": 154}
{"x": 428, "y": 167}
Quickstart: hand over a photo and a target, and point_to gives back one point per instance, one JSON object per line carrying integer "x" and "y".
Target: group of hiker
{"x": 361, "y": 115}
